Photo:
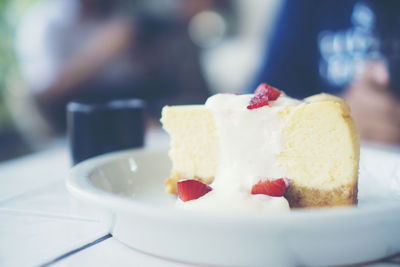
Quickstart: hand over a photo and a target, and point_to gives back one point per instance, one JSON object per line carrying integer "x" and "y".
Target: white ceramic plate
{"x": 130, "y": 185}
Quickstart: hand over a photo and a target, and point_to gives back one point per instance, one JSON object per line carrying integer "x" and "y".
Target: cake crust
{"x": 304, "y": 197}
{"x": 298, "y": 196}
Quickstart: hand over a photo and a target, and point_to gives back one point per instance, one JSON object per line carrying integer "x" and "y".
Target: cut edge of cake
{"x": 190, "y": 160}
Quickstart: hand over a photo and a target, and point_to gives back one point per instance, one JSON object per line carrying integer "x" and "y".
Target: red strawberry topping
{"x": 258, "y": 101}
{"x": 267, "y": 89}
{"x": 262, "y": 95}
{"x": 192, "y": 189}
{"x": 273, "y": 188}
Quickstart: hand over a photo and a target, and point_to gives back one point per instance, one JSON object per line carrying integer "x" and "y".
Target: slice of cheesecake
{"x": 315, "y": 144}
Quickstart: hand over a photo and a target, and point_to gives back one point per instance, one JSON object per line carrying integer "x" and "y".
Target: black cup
{"x": 97, "y": 127}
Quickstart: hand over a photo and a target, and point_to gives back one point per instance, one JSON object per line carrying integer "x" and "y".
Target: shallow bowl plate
{"x": 129, "y": 185}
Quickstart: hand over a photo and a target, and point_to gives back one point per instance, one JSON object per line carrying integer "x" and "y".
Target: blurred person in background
{"x": 99, "y": 50}
{"x": 349, "y": 48}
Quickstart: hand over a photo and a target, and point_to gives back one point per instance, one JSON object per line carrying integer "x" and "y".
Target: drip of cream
{"x": 249, "y": 142}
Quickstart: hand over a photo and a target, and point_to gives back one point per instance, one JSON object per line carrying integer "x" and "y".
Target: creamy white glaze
{"x": 249, "y": 142}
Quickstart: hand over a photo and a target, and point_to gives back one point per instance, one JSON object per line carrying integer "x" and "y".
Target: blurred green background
{"x": 11, "y": 143}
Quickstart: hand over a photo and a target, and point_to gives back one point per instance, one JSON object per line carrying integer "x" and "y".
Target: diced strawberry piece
{"x": 262, "y": 88}
{"x": 274, "y": 93}
{"x": 192, "y": 189}
{"x": 273, "y": 188}
{"x": 262, "y": 95}
{"x": 258, "y": 101}
{"x": 267, "y": 89}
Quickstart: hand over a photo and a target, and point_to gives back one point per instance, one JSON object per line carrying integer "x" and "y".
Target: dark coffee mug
{"x": 97, "y": 127}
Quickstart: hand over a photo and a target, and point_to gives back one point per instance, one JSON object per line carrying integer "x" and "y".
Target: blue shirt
{"x": 317, "y": 45}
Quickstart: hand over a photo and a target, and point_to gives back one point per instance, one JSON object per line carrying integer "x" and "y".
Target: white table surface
{"x": 41, "y": 224}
